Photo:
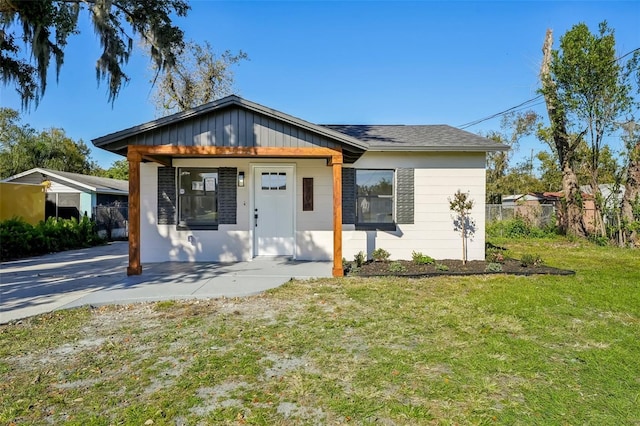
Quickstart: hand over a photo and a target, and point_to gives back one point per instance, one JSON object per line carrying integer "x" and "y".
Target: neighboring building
{"x": 71, "y": 194}
{"x": 232, "y": 179}
{"x": 22, "y": 200}
{"x": 537, "y": 208}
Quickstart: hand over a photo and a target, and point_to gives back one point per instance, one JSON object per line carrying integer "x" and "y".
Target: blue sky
{"x": 357, "y": 62}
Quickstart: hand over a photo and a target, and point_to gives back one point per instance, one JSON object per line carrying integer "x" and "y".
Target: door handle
{"x": 255, "y": 216}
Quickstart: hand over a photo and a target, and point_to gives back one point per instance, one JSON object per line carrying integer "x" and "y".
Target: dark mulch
{"x": 454, "y": 267}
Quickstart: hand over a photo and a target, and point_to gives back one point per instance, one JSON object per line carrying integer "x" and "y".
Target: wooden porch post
{"x": 134, "y": 267}
{"x": 336, "y": 162}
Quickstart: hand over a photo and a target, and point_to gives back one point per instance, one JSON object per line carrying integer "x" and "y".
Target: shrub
{"x": 397, "y": 267}
{"x": 520, "y": 228}
{"x": 359, "y": 259}
{"x": 494, "y": 255}
{"x": 441, "y": 267}
{"x": 20, "y": 239}
{"x": 381, "y": 255}
{"x": 530, "y": 260}
{"x": 493, "y": 267}
{"x": 421, "y": 259}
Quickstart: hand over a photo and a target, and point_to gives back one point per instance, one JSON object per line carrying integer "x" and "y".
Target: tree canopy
{"x": 199, "y": 76}
{"x": 33, "y": 33}
{"x": 23, "y": 148}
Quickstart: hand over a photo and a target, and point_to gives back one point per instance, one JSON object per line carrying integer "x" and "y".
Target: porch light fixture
{"x": 240, "y": 179}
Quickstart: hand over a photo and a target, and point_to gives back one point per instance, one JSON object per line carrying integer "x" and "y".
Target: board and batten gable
{"x": 232, "y": 127}
{"x": 437, "y": 176}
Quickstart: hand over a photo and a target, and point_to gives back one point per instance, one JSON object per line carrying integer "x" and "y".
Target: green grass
{"x": 447, "y": 350}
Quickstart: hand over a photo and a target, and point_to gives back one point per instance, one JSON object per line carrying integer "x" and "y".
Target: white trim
{"x": 96, "y": 189}
{"x": 252, "y": 194}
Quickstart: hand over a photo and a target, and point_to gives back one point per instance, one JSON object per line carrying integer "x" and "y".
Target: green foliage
{"x": 359, "y": 259}
{"x": 380, "y": 255}
{"x": 519, "y": 228}
{"x": 35, "y": 32}
{"x": 397, "y": 267}
{"x": 493, "y": 267}
{"x": 494, "y": 255}
{"x": 529, "y": 259}
{"x": 441, "y": 267}
{"x": 119, "y": 170}
{"x": 421, "y": 259}
{"x": 23, "y": 148}
{"x": 599, "y": 240}
{"x": 20, "y": 239}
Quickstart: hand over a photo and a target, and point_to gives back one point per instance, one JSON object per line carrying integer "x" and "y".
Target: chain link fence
{"x": 539, "y": 215}
{"x": 112, "y": 221}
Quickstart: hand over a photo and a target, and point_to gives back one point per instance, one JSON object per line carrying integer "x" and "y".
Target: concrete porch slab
{"x": 97, "y": 276}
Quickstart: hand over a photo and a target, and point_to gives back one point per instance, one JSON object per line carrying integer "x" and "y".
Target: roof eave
{"x": 438, "y": 148}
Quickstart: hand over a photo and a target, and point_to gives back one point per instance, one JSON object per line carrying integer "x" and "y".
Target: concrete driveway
{"x": 97, "y": 276}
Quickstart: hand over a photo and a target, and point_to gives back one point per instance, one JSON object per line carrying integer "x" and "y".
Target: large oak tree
{"x": 34, "y": 33}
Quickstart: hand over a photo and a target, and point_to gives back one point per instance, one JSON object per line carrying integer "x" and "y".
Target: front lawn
{"x": 495, "y": 349}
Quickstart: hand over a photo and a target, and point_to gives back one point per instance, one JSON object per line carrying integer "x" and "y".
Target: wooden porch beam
{"x": 134, "y": 268}
{"x": 160, "y": 160}
{"x": 336, "y": 163}
{"x": 234, "y": 151}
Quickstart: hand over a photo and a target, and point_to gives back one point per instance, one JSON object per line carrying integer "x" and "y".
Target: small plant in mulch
{"x": 380, "y": 255}
{"x": 441, "y": 267}
{"x": 530, "y": 260}
{"x": 359, "y": 259}
{"x": 421, "y": 259}
{"x": 397, "y": 268}
{"x": 495, "y": 255}
{"x": 493, "y": 267}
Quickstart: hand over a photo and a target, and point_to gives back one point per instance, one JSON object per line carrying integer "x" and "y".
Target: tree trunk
{"x": 573, "y": 213}
{"x": 631, "y": 194}
{"x": 571, "y": 219}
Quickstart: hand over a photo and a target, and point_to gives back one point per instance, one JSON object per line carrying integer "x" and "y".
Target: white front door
{"x": 274, "y": 210}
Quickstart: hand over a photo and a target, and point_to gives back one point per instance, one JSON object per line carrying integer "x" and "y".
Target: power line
{"x": 473, "y": 123}
{"x": 513, "y": 109}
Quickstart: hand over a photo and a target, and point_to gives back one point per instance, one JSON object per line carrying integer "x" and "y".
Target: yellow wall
{"x": 22, "y": 200}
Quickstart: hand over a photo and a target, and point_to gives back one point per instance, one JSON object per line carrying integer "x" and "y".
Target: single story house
{"x": 232, "y": 179}
{"x": 71, "y": 194}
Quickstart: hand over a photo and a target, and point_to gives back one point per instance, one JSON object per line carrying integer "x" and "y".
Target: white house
{"x": 232, "y": 179}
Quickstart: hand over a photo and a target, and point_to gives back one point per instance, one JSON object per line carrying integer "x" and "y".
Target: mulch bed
{"x": 455, "y": 267}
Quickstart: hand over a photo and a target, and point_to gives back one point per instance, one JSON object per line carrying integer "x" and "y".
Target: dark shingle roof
{"x": 438, "y": 137}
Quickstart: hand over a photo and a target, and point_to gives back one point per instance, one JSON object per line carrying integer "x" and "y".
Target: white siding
{"x": 314, "y": 235}
{"x": 437, "y": 178}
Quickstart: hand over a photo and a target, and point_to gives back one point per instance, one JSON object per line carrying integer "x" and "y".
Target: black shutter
{"x": 167, "y": 196}
{"x": 348, "y": 196}
{"x": 227, "y": 195}
{"x": 405, "y": 196}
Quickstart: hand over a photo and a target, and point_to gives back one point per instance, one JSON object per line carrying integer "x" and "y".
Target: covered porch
{"x": 168, "y": 155}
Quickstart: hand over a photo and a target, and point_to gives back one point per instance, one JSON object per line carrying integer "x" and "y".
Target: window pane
{"x": 197, "y": 197}
{"x": 375, "y": 210}
{"x": 375, "y": 196}
{"x": 198, "y": 182}
{"x": 265, "y": 181}
{"x": 374, "y": 182}
{"x": 279, "y": 181}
